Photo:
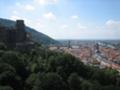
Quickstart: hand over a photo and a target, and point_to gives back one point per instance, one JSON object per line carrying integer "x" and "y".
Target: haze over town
{"x": 67, "y": 19}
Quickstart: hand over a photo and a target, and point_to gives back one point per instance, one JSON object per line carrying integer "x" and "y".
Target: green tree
{"x": 106, "y": 76}
{"x": 74, "y": 82}
{"x": 50, "y": 81}
{"x": 110, "y": 87}
{"x": 13, "y": 58}
{"x": 86, "y": 85}
{"x": 30, "y": 81}
{"x": 65, "y": 64}
{"x": 5, "y": 88}
{"x": 8, "y": 76}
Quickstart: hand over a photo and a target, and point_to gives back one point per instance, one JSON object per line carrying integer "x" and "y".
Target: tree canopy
{"x": 42, "y": 69}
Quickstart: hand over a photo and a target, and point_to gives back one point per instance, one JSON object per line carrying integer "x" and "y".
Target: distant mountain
{"x": 36, "y": 36}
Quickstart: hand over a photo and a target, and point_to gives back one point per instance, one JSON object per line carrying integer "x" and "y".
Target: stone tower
{"x": 20, "y": 31}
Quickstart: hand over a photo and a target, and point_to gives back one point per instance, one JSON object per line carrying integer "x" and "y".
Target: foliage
{"x": 42, "y": 69}
{"x": 5, "y": 88}
{"x": 74, "y": 81}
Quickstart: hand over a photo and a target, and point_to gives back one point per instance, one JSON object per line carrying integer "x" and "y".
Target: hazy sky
{"x": 67, "y": 19}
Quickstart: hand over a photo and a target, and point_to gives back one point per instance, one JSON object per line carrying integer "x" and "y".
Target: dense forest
{"x": 42, "y": 69}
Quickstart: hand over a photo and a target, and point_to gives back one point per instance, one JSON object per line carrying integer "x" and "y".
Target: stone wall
{"x": 21, "y": 34}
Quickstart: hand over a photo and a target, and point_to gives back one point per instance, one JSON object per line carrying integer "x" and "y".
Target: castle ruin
{"x": 15, "y": 37}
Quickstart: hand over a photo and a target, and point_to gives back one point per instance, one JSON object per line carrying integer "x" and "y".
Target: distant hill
{"x": 36, "y": 36}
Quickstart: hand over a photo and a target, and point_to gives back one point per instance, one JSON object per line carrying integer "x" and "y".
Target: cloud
{"x": 18, "y": 4}
{"x": 24, "y": 7}
{"x": 15, "y": 12}
{"x": 44, "y": 2}
{"x": 29, "y": 7}
{"x": 49, "y": 16}
{"x": 64, "y": 26}
{"x": 39, "y": 25}
{"x": 74, "y": 17}
{"x": 81, "y": 27}
{"x": 15, "y": 17}
{"x": 113, "y": 25}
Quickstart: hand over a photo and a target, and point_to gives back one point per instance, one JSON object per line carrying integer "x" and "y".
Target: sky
{"x": 67, "y": 19}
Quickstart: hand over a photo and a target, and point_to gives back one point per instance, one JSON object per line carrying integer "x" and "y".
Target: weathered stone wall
{"x": 3, "y": 34}
{"x": 20, "y": 31}
{"x": 12, "y": 36}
